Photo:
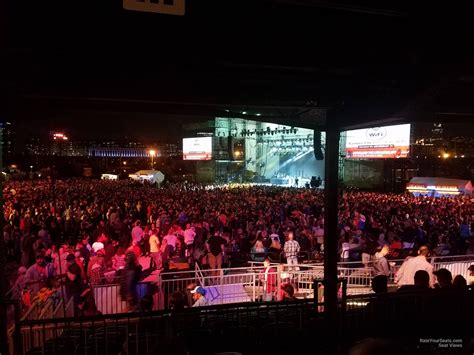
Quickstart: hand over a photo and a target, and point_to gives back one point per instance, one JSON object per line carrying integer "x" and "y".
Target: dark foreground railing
{"x": 241, "y": 328}
{"x": 259, "y": 328}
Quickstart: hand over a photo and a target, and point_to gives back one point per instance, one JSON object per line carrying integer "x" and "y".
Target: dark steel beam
{"x": 331, "y": 196}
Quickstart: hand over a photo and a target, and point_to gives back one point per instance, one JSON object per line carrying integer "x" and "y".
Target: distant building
{"x": 8, "y": 135}
{"x": 121, "y": 152}
{"x": 433, "y": 140}
{"x": 173, "y": 149}
{"x": 59, "y": 144}
{"x": 36, "y": 147}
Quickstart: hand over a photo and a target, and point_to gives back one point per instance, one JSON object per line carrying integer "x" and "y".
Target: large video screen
{"x": 197, "y": 148}
{"x": 378, "y": 142}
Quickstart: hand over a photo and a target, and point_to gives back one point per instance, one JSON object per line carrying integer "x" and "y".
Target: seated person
{"x": 288, "y": 292}
{"x": 422, "y": 282}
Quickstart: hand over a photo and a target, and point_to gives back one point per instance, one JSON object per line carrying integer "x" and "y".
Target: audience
{"x": 101, "y": 222}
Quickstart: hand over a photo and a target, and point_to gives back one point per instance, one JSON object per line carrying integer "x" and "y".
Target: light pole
{"x": 152, "y": 153}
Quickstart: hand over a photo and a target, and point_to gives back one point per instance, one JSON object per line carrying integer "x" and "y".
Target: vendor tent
{"x": 438, "y": 186}
{"x": 109, "y": 177}
{"x": 151, "y": 176}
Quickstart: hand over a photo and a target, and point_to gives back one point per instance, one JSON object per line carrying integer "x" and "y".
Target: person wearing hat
{"x": 199, "y": 297}
{"x": 73, "y": 280}
{"x": 444, "y": 278}
{"x": 96, "y": 268}
{"x": 97, "y": 246}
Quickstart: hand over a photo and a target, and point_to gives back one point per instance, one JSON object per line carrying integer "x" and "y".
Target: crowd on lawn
{"x": 90, "y": 232}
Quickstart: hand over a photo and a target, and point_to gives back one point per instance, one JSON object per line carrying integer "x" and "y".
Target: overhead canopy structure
{"x": 347, "y": 76}
{"x": 151, "y": 176}
{"x": 439, "y": 187}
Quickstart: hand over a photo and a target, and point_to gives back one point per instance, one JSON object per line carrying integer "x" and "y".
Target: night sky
{"x": 368, "y": 57}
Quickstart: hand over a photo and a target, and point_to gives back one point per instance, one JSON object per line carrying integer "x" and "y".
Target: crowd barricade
{"x": 109, "y": 301}
{"x": 216, "y": 328}
{"x": 50, "y": 309}
{"x": 241, "y": 284}
{"x": 456, "y": 264}
{"x": 246, "y": 326}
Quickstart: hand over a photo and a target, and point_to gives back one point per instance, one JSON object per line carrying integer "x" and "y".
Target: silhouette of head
{"x": 379, "y": 284}
{"x": 422, "y": 279}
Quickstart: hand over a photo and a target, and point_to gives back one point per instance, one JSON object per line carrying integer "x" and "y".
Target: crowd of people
{"x": 91, "y": 232}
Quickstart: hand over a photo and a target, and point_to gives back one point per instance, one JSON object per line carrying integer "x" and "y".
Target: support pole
{"x": 5, "y": 112}
{"x": 331, "y": 224}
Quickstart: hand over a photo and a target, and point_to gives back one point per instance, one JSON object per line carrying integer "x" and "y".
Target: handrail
{"x": 198, "y": 274}
{"x": 30, "y": 310}
{"x": 447, "y": 258}
{"x": 47, "y": 307}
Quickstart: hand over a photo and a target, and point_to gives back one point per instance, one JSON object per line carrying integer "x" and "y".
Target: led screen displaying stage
{"x": 378, "y": 142}
{"x": 197, "y": 148}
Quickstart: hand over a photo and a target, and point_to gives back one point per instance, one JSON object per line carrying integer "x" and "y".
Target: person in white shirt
{"x": 171, "y": 239}
{"x": 189, "y": 235}
{"x": 155, "y": 250}
{"x": 345, "y": 249}
{"x": 406, "y": 274}
{"x": 137, "y": 233}
{"x": 319, "y": 234}
{"x": 291, "y": 249}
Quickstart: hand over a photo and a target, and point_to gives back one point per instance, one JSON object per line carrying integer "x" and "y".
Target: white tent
{"x": 437, "y": 186}
{"x": 151, "y": 176}
{"x": 109, "y": 177}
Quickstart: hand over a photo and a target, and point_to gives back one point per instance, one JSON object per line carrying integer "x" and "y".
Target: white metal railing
{"x": 109, "y": 301}
{"x": 240, "y": 284}
{"x": 456, "y": 267}
{"x": 198, "y": 273}
{"x": 468, "y": 257}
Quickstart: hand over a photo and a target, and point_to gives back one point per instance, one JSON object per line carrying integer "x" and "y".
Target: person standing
{"x": 96, "y": 268}
{"x": 129, "y": 280}
{"x": 137, "y": 233}
{"x": 268, "y": 277}
{"x": 381, "y": 266}
{"x": 171, "y": 239}
{"x": 215, "y": 246}
{"x": 406, "y": 273}
{"x": 38, "y": 274}
{"x": 74, "y": 281}
{"x": 291, "y": 249}
{"x": 189, "y": 235}
{"x": 155, "y": 250}
{"x": 20, "y": 283}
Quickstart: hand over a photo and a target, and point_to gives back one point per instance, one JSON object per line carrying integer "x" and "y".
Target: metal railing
{"x": 241, "y": 284}
{"x": 456, "y": 264}
{"x": 219, "y": 328}
{"x": 109, "y": 301}
{"x": 249, "y": 326}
